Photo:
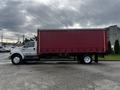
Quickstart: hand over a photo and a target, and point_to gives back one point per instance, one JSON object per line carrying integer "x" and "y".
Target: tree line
{"x": 115, "y": 49}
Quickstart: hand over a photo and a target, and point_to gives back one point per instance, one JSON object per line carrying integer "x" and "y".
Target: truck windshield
{"x": 29, "y": 44}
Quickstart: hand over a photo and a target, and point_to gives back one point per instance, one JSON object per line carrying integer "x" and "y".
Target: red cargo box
{"x": 72, "y": 41}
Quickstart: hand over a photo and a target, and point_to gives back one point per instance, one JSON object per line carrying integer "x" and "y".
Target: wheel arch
{"x": 17, "y": 54}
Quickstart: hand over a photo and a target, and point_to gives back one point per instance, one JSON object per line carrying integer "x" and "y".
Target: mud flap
{"x": 96, "y": 58}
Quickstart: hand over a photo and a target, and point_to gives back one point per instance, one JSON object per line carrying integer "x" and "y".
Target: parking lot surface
{"x": 54, "y": 75}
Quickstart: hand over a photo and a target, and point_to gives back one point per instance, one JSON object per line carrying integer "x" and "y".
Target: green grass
{"x": 111, "y": 58}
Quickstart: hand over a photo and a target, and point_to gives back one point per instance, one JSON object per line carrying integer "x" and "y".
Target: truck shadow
{"x": 60, "y": 63}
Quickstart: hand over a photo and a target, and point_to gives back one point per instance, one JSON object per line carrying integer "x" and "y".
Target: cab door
{"x": 29, "y": 49}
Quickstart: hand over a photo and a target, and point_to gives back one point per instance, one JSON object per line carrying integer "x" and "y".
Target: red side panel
{"x": 72, "y": 41}
{"x": 38, "y": 42}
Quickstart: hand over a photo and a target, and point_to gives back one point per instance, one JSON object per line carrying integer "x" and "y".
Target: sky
{"x": 24, "y": 17}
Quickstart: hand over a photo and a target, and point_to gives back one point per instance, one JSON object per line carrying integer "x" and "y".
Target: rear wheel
{"x": 87, "y": 59}
{"x": 16, "y": 59}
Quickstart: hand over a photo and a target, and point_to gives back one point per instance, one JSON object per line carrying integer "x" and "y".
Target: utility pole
{"x": 18, "y": 39}
{"x": 23, "y": 39}
{"x": 2, "y": 38}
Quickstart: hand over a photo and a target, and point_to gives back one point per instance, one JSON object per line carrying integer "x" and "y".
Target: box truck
{"x": 85, "y": 45}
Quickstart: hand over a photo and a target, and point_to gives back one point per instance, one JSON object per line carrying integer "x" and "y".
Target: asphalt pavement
{"x": 59, "y": 75}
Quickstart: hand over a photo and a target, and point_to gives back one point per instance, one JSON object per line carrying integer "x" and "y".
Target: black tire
{"x": 87, "y": 59}
{"x": 16, "y": 59}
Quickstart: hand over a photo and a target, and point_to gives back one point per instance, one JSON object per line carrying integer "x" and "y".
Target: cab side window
{"x": 29, "y": 44}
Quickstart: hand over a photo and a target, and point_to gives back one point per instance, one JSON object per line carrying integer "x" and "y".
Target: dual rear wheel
{"x": 85, "y": 59}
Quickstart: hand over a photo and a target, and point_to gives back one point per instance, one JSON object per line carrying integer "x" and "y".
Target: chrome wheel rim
{"x": 87, "y": 59}
{"x": 16, "y": 60}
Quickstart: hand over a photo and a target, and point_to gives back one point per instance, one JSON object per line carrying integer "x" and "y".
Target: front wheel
{"x": 87, "y": 59}
{"x": 16, "y": 59}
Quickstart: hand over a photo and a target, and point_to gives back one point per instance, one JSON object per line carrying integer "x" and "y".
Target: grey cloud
{"x": 101, "y": 12}
{"x": 11, "y": 17}
{"x": 49, "y": 17}
{"x": 94, "y": 12}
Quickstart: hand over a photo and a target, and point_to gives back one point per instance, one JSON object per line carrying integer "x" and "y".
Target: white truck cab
{"x": 28, "y": 51}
